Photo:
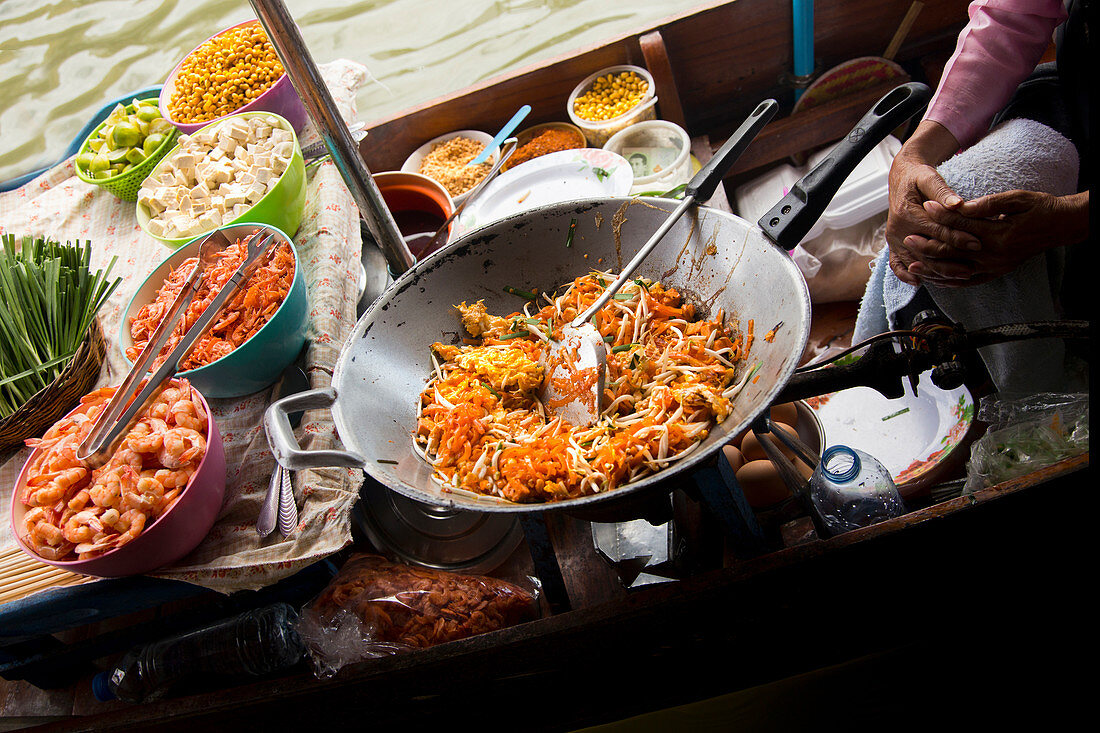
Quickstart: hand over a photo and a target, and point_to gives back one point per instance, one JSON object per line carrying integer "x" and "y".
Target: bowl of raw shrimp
{"x": 258, "y": 335}
{"x": 153, "y": 502}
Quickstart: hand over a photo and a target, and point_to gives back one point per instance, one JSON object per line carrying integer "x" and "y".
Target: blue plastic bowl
{"x": 258, "y": 362}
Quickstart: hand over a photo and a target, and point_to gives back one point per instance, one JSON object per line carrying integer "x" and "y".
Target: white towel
{"x": 1017, "y": 154}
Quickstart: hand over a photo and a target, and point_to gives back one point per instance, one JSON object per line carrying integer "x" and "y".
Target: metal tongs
{"x": 124, "y": 407}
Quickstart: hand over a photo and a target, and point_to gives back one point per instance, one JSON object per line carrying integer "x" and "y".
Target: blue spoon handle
{"x": 504, "y": 132}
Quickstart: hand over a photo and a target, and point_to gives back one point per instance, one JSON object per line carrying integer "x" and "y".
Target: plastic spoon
{"x": 575, "y": 366}
{"x": 505, "y": 131}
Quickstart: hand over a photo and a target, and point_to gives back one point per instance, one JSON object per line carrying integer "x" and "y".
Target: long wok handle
{"x": 703, "y": 185}
{"x": 280, "y": 436}
{"x": 796, "y": 213}
{"x": 700, "y": 188}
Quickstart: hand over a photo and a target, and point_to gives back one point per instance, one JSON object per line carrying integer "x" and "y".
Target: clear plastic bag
{"x": 374, "y": 608}
{"x": 1027, "y": 434}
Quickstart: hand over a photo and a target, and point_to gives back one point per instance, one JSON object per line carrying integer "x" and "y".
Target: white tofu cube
{"x": 284, "y": 149}
{"x": 239, "y": 131}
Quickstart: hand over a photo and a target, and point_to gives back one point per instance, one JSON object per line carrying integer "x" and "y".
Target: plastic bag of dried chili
{"x": 374, "y": 607}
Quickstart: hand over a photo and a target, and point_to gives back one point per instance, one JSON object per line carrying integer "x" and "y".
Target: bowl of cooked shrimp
{"x": 151, "y": 503}
{"x": 259, "y": 333}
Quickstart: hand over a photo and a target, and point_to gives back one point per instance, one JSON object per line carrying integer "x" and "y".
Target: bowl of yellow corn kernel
{"x": 235, "y": 70}
{"x": 611, "y": 100}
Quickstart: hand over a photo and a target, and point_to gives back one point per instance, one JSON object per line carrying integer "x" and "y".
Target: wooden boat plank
{"x": 766, "y": 619}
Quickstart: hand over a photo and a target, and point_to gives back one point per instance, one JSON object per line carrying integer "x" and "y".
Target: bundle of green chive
{"x": 48, "y": 299}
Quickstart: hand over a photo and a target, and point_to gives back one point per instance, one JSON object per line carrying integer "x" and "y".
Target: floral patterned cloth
{"x": 232, "y": 557}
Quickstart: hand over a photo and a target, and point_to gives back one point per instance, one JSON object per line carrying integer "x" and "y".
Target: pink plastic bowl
{"x": 174, "y": 534}
{"x": 280, "y": 98}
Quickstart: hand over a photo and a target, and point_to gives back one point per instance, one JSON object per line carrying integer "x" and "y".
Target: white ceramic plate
{"x": 909, "y": 435}
{"x": 412, "y": 163}
{"x": 549, "y": 179}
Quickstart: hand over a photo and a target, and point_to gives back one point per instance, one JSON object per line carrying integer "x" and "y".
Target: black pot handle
{"x": 703, "y": 185}
{"x": 796, "y": 213}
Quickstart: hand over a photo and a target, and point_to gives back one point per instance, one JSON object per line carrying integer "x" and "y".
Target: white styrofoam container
{"x": 863, "y": 194}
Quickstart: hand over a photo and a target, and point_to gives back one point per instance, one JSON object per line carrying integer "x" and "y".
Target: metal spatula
{"x": 576, "y": 365}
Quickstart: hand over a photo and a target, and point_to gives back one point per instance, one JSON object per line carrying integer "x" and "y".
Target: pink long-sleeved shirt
{"x": 996, "y": 51}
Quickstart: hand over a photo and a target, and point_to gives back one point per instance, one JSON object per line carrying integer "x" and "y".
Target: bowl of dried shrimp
{"x": 153, "y": 502}
{"x": 261, "y": 331}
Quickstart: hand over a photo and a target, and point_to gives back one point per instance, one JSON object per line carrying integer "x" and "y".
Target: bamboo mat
{"x": 22, "y": 575}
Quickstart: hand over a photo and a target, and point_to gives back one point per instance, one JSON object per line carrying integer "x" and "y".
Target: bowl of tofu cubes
{"x": 245, "y": 168}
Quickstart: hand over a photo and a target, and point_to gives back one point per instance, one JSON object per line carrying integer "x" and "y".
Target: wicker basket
{"x": 48, "y": 405}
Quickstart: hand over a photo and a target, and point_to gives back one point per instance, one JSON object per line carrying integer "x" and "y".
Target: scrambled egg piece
{"x": 477, "y": 320}
{"x": 504, "y": 370}
{"x": 694, "y": 396}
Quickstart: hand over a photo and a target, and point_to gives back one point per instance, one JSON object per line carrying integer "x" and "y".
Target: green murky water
{"x": 61, "y": 61}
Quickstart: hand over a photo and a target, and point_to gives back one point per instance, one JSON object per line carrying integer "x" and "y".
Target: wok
{"x": 717, "y": 260}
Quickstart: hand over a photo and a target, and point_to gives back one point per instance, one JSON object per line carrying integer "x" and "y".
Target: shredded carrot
{"x": 247, "y": 311}
{"x": 669, "y": 380}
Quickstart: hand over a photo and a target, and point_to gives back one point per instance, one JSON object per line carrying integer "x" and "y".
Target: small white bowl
{"x": 412, "y": 163}
{"x": 656, "y": 134}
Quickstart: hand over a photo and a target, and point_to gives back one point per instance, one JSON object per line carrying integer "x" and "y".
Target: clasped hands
{"x": 936, "y": 237}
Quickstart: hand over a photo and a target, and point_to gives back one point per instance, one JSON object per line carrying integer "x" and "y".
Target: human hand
{"x": 913, "y": 181}
{"x": 1011, "y": 227}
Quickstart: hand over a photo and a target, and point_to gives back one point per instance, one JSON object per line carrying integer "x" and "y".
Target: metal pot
{"x": 717, "y": 260}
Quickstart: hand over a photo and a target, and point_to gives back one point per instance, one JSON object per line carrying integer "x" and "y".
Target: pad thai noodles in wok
{"x": 670, "y": 379}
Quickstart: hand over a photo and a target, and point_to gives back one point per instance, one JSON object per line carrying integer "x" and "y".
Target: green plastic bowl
{"x": 127, "y": 185}
{"x": 258, "y": 362}
{"x": 282, "y": 207}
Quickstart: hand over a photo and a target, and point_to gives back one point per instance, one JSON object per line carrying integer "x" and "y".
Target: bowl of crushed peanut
{"x": 444, "y": 159}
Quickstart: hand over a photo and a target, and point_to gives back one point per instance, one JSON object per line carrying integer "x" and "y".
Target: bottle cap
{"x": 100, "y": 687}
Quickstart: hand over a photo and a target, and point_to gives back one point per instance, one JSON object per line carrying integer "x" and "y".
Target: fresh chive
{"x": 622, "y": 296}
{"x": 491, "y": 390}
{"x": 515, "y": 335}
{"x": 525, "y": 294}
{"x": 641, "y": 283}
{"x": 609, "y": 339}
{"x": 624, "y": 347}
{"x": 48, "y": 299}
{"x": 385, "y": 460}
{"x": 902, "y": 411}
{"x": 572, "y": 231}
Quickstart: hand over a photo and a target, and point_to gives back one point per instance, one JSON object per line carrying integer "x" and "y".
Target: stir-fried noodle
{"x": 670, "y": 378}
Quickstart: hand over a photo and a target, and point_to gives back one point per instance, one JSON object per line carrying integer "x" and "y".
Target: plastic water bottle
{"x": 254, "y": 643}
{"x": 851, "y": 489}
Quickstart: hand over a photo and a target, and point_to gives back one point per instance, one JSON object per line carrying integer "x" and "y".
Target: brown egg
{"x": 786, "y": 413}
{"x": 762, "y": 484}
{"x": 753, "y": 451}
{"x": 733, "y": 455}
